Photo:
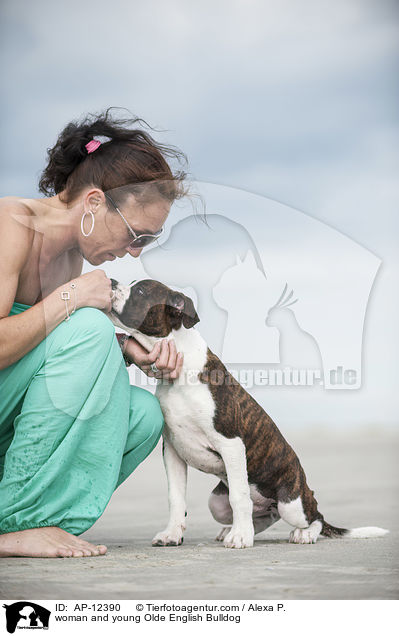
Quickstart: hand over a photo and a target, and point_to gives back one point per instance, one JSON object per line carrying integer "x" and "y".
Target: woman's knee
{"x": 146, "y": 406}
{"x": 89, "y": 327}
{"x": 78, "y": 349}
{"x": 94, "y": 321}
{"x": 154, "y": 415}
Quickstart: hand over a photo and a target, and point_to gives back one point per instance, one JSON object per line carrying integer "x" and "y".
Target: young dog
{"x": 214, "y": 425}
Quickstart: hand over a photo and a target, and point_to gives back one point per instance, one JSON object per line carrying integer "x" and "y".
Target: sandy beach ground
{"x": 355, "y": 479}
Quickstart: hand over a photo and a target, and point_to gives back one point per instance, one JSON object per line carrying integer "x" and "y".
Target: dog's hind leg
{"x": 292, "y": 512}
{"x": 264, "y": 522}
{"x": 265, "y": 511}
{"x": 298, "y": 507}
{"x": 219, "y": 505}
{"x": 221, "y": 510}
{"x": 260, "y": 524}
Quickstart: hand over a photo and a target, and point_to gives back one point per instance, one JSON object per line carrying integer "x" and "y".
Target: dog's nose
{"x": 114, "y": 283}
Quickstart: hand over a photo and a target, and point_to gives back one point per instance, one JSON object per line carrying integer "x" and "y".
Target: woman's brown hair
{"x": 128, "y": 161}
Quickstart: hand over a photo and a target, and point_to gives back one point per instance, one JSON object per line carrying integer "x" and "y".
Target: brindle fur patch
{"x": 271, "y": 462}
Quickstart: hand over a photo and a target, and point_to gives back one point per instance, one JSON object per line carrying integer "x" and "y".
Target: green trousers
{"x": 72, "y": 428}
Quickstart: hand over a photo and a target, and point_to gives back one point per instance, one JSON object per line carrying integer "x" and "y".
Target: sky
{"x": 295, "y": 102}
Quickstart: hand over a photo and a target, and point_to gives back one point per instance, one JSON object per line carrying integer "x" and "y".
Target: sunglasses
{"x": 139, "y": 240}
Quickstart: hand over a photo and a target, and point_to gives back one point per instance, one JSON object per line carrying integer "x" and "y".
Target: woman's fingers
{"x": 167, "y": 356}
{"x": 153, "y": 357}
{"x": 162, "y": 362}
{"x": 167, "y": 361}
{"x": 176, "y": 371}
{"x": 172, "y": 356}
{"x": 154, "y": 353}
{"x": 138, "y": 354}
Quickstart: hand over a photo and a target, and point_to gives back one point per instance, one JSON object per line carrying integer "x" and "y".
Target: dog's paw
{"x": 302, "y": 535}
{"x": 223, "y": 533}
{"x": 168, "y": 537}
{"x": 239, "y": 538}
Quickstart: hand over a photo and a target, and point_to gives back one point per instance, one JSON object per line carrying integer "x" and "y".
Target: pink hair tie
{"x": 92, "y": 145}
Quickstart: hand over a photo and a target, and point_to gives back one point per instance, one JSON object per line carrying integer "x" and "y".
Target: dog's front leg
{"x": 233, "y": 454}
{"x": 176, "y": 471}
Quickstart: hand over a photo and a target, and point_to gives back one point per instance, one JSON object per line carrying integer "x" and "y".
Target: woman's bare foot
{"x": 46, "y": 542}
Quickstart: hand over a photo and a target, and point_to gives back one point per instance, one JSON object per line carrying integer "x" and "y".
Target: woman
{"x": 71, "y": 426}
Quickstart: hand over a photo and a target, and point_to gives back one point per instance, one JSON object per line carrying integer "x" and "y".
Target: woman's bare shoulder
{"x": 15, "y": 205}
{"x": 16, "y": 210}
{"x": 16, "y": 225}
{"x": 17, "y": 200}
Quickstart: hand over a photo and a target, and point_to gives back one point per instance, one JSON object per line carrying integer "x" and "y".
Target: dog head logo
{"x": 243, "y": 264}
{"x": 26, "y": 615}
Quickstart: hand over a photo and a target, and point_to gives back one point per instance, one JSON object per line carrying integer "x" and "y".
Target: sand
{"x": 354, "y": 477}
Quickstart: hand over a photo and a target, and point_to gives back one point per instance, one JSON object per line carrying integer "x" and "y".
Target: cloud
{"x": 276, "y": 72}
{"x": 293, "y": 100}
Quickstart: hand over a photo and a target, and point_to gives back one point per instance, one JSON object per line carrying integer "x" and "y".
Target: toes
{"x": 167, "y": 542}
{"x": 167, "y": 538}
{"x": 102, "y": 549}
{"x": 64, "y": 552}
{"x": 74, "y": 551}
{"x": 88, "y": 549}
{"x": 302, "y": 536}
{"x": 239, "y": 538}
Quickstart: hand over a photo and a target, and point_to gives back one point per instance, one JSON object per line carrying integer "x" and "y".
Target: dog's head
{"x": 151, "y": 308}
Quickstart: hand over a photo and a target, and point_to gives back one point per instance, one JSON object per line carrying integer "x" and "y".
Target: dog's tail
{"x": 354, "y": 533}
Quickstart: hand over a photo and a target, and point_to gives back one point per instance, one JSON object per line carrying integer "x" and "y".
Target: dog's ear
{"x": 183, "y": 311}
{"x": 190, "y": 316}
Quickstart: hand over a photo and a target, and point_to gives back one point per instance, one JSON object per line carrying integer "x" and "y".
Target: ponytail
{"x": 127, "y": 158}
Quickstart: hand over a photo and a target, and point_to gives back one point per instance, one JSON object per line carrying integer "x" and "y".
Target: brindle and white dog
{"x": 214, "y": 425}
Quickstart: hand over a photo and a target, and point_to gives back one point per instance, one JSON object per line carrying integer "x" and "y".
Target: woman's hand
{"x": 92, "y": 290}
{"x": 169, "y": 363}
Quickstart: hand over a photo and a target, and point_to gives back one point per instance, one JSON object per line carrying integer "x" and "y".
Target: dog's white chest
{"x": 188, "y": 413}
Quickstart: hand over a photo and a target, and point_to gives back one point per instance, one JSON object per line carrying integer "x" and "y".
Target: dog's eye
{"x": 140, "y": 291}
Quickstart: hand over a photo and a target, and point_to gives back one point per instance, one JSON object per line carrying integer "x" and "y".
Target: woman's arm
{"x": 21, "y": 333}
